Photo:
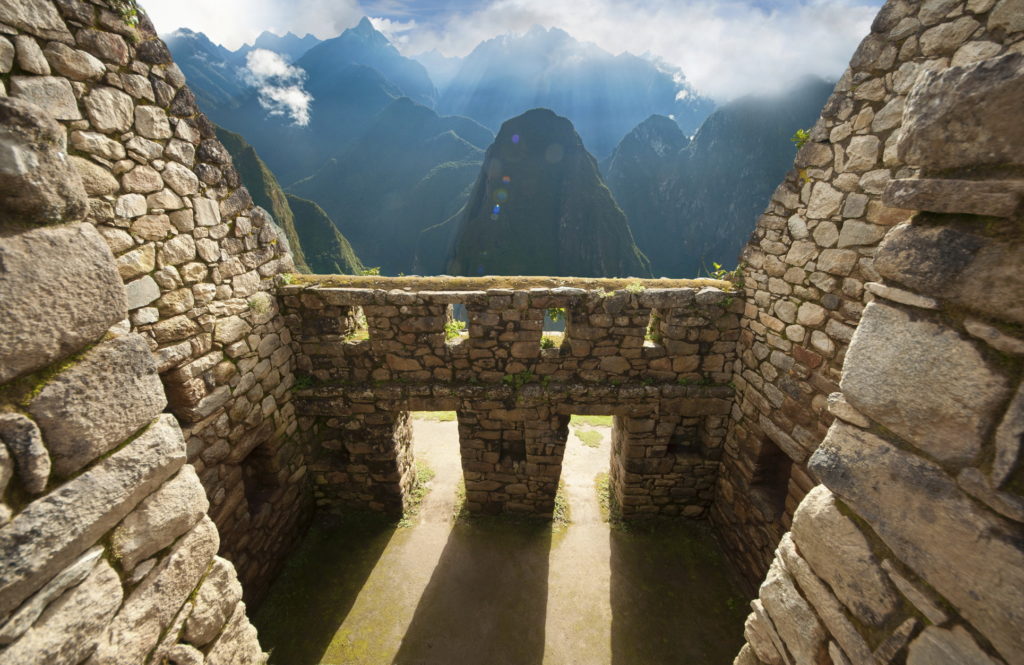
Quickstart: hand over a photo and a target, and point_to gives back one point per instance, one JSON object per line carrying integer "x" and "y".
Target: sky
{"x": 726, "y": 48}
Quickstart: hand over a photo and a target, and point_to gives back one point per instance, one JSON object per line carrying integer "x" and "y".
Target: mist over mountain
{"x": 604, "y": 95}
{"x": 693, "y": 203}
{"x": 290, "y": 46}
{"x": 539, "y": 207}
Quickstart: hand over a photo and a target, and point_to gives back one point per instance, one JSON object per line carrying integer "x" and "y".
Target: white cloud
{"x": 279, "y": 85}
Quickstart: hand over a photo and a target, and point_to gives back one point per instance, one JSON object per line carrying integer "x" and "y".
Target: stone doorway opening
{"x": 438, "y": 463}
{"x": 586, "y": 482}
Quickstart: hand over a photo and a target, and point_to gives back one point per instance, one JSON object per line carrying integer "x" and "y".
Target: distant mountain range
{"x": 394, "y": 146}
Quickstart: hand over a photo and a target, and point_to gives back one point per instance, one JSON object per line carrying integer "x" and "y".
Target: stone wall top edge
{"x": 296, "y": 282}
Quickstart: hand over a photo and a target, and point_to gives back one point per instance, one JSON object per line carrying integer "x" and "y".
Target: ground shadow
{"x": 314, "y": 593}
{"x": 486, "y": 603}
{"x": 674, "y": 597}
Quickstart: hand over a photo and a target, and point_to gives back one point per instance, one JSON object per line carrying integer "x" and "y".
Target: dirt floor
{"x": 439, "y": 591}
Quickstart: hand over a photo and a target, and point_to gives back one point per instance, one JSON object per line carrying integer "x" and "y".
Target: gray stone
{"x": 217, "y": 598}
{"x": 973, "y": 52}
{"x": 890, "y": 116}
{"x": 37, "y": 17}
{"x": 938, "y": 646}
{"x": 1008, "y": 16}
{"x": 843, "y": 559}
{"x": 837, "y": 261}
{"x": 966, "y": 116}
{"x": 166, "y": 199}
{"x": 825, "y": 201}
{"x": 181, "y": 151}
{"x": 828, "y": 607}
{"x": 76, "y": 65}
{"x": 993, "y": 198}
{"x": 178, "y": 250}
{"x": 862, "y": 154}
{"x": 141, "y": 292}
{"x": 76, "y": 408}
{"x": 152, "y": 605}
{"x": 238, "y": 643}
{"x": 97, "y": 144}
{"x": 65, "y": 634}
{"x": 25, "y": 443}
{"x": 143, "y": 150}
{"x": 230, "y": 329}
{"x": 54, "y": 530}
{"x": 826, "y": 234}
{"x": 163, "y": 516}
{"x": 135, "y": 263}
{"x": 96, "y": 180}
{"x": 994, "y": 337}
{"x": 6, "y": 55}
{"x": 131, "y": 206}
{"x": 181, "y": 179}
{"x": 61, "y": 292}
{"x": 207, "y": 212}
{"x": 934, "y": 528}
{"x": 810, "y": 314}
{"x": 30, "y": 56}
{"x": 103, "y": 45}
{"x": 946, "y": 38}
{"x": 901, "y": 296}
{"x": 970, "y": 270}
{"x": 923, "y": 381}
{"x": 49, "y": 92}
{"x": 916, "y": 597}
{"x": 794, "y": 619}
{"x": 142, "y": 180}
{"x": 856, "y": 232}
{"x": 109, "y": 110}
{"x": 762, "y": 636}
{"x": 840, "y": 408}
{"x": 183, "y": 654}
{"x": 151, "y": 122}
{"x": 1009, "y": 440}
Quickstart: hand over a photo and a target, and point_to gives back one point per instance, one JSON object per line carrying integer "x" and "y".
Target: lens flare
{"x": 501, "y": 195}
{"x": 515, "y": 138}
{"x": 506, "y": 179}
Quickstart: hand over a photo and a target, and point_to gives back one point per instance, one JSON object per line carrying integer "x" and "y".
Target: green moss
{"x": 593, "y": 421}
{"x": 435, "y": 416}
{"x": 590, "y": 438}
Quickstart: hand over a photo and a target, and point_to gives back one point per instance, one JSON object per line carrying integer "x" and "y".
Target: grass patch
{"x": 609, "y": 507}
{"x": 591, "y": 438}
{"x": 418, "y": 492}
{"x": 436, "y": 416}
{"x": 593, "y": 421}
{"x": 560, "y": 516}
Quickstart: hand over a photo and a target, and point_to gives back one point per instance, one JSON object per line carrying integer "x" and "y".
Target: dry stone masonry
{"x": 657, "y": 359}
{"x": 173, "y": 410}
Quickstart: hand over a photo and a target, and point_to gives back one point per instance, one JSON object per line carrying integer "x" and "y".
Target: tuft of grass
{"x": 593, "y": 421}
{"x": 591, "y": 438}
{"x": 459, "y": 512}
{"x": 436, "y": 416}
{"x": 547, "y": 342}
{"x": 453, "y": 329}
{"x": 418, "y": 492}
{"x": 560, "y": 516}
{"x": 606, "y": 502}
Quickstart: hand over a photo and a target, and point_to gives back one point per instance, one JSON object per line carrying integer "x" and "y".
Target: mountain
{"x": 692, "y": 203}
{"x": 604, "y": 95}
{"x": 539, "y": 207}
{"x": 317, "y": 245}
{"x": 441, "y": 68}
{"x": 212, "y": 70}
{"x": 410, "y": 169}
{"x": 291, "y": 47}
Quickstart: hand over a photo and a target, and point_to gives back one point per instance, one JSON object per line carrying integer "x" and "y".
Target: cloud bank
{"x": 726, "y": 48}
{"x": 279, "y": 85}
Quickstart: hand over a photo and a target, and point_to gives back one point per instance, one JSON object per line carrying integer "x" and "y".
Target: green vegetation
{"x": 610, "y": 511}
{"x": 556, "y": 314}
{"x": 800, "y": 138}
{"x": 635, "y": 287}
{"x": 547, "y": 342}
{"x": 366, "y": 272}
{"x": 591, "y": 438}
{"x": 560, "y": 515}
{"x": 517, "y": 381}
{"x": 419, "y": 490}
{"x": 302, "y": 382}
{"x": 593, "y": 421}
{"x": 327, "y": 250}
{"x": 435, "y": 416}
{"x": 453, "y": 328}
{"x": 129, "y": 11}
{"x": 653, "y": 333}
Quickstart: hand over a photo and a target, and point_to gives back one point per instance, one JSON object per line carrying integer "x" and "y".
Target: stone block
{"x": 161, "y": 517}
{"x": 61, "y": 292}
{"x": 939, "y": 646}
{"x": 934, "y": 528}
{"x": 52, "y": 93}
{"x": 987, "y": 197}
{"x": 923, "y": 381}
{"x": 216, "y": 600}
{"x": 54, "y": 530}
{"x": 238, "y": 642}
{"x": 25, "y": 443}
{"x": 109, "y": 110}
{"x": 98, "y": 402}
{"x": 966, "y": 116}
{"x": 153, "y": 604}
{"x": 72, "y": 63}
{"x": 795, "y": 620}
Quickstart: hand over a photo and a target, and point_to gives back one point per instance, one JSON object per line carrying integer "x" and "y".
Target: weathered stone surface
{"x": 965, "y": 116}
{"x": 152, "y": 605}
{"x": 178, "y": 250}
{"x": 1008, "y": 16}
{"x": 901, "y": 296}
{"x": 988, "y": 197}
{"x": 37, "y": 17}
{"x": 96, "y": 180}
{"x": 75, "y": 409}
{"x": 54, "y": 530}
{"x": 151, "y": 122}
{"x": 214, "y": 603}
{"x": 65, "y": 634}
{"x": 109, "y": 110}
{"x": 183, "y": 654}
{"x": 856, "y": 232}
{"x": 25, "y": 443}
{"x": 825, "y": 201}
{"x": 26, "y": 615}
{"x": 181, "y": 179}
{"x": 837, "y": 261}
{"x": 6, "y": 55}
{"x": 840, "y": 408}
{"x": 762, "y": 636}
{"x": 141, "y": 292}
{"x": 934, "y": 528}
{"x": 76, "y": 65}
{"x": 893, "y": 354}
{"x": 238, "y": 643}
{"x": 844, "y": 559}
{"x": 97, "y": 144}
{"x": 163, "y": 516}
{"x": 794, "y": 619}
{"x": 916, "y": 597}
{"x": 142, "y": 180}
{"x": 52, "y": 93}
{"x": 232, "y": 329}
{"x": 34, "y": 329}
{"x": 938, "y": 646}
{"x": 862, "y": 153}
{"x": 994, "y": 337}
{"x": 1009, "y": 440}
{"x": 30, "y": 56}
{"x": 103, "y": 45}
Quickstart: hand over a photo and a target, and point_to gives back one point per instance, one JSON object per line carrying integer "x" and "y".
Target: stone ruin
{"x": 850, "y": 420}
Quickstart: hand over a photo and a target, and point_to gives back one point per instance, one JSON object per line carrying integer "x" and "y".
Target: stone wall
{"x": 657, "y": 359}
{"x": 811, "y": 269}
{"x": 912, "y": 548}
{"x": 197, "y": 260}
{"x": 108, "y": 550}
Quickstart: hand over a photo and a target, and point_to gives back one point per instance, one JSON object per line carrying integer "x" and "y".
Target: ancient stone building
{"x": 173, "y": 410}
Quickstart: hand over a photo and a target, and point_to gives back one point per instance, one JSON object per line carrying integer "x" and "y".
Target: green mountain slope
{"x": 540, "y": 207}
{"x": 327, "y": 251}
